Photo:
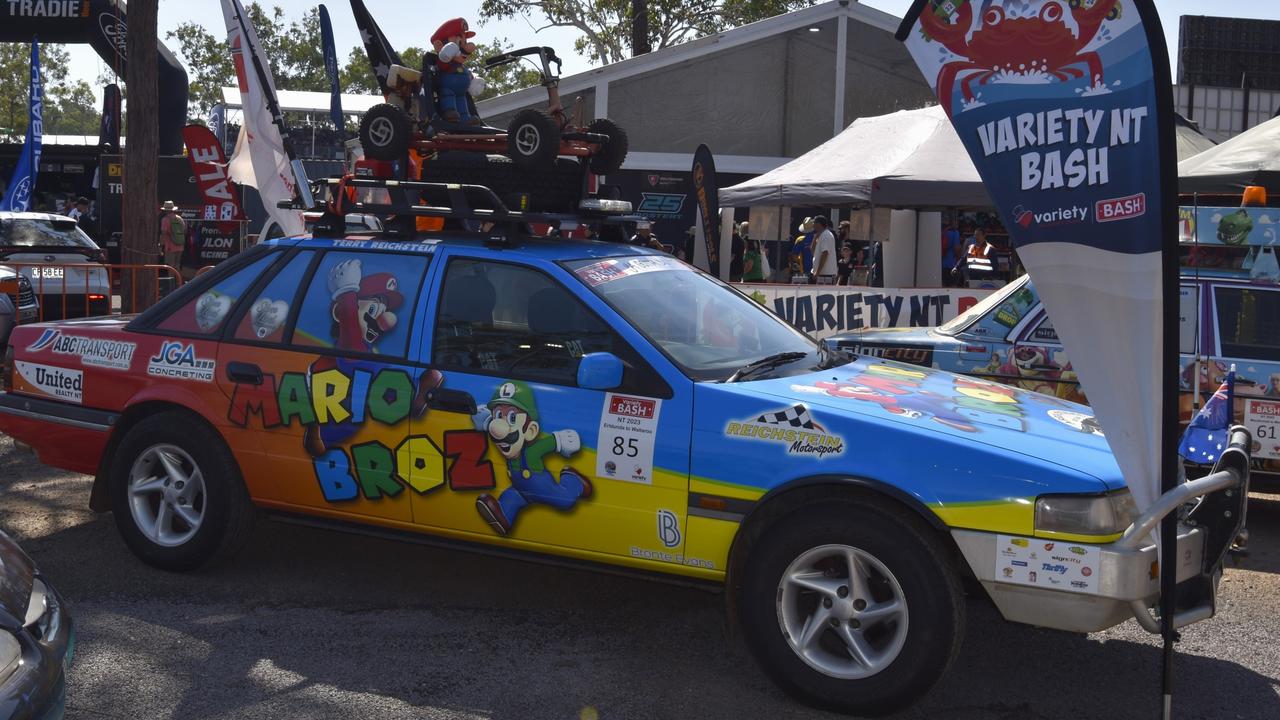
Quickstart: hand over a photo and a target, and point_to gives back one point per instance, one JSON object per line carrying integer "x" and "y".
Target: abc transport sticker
{"x": 628, "y": 428}
{"x": 1048, "y": 564}
{"x": 1262, "y": 417}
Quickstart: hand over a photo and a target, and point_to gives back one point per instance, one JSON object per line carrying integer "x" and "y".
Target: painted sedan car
{"x": 595, "y": 402}
{"x": 37, "y": 639}
{"x": 1009, "y": 338}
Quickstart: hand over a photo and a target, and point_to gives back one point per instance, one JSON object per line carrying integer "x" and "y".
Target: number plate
{"x": 1262, "y": 417}
{"x": 52, "y": 273}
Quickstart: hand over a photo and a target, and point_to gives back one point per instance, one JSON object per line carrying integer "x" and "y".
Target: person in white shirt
{"x": 824, "y": 251}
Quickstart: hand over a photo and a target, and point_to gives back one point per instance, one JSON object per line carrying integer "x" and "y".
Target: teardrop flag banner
{"x": 1066, "y": 109}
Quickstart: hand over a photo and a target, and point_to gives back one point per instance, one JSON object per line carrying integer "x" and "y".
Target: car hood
{"x": 888, "y": 336}
{"x": 16, "y": 576}
{"x": 970, "y": 411}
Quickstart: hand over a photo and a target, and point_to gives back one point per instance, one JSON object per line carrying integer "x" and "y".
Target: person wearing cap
{"x": 511, "y": 420}
{"x": 824, "y": 251}
{"x": 80, "y": 213}
{"x": 173, "y": 235}
{"x": 644, "y": 236}
{"x": 453, "y": 46}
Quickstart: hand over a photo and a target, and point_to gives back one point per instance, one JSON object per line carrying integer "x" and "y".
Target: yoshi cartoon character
{"x": 511, "y": 419}
{"x": 1234, "y": 229}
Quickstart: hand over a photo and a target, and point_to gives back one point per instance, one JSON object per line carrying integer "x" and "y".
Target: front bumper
{"x": 1087, "y": 588}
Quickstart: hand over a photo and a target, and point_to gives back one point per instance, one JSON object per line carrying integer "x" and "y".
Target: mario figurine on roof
{"x": 511, "y": 419}
{"x": 453, "y": 46}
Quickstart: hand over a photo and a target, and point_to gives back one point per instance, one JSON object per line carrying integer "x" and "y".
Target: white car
{"x": 54, "y": 255}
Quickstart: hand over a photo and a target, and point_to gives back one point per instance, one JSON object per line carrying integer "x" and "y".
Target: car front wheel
{"x": 177, "y": 494}
{"x": 852, "y": 606}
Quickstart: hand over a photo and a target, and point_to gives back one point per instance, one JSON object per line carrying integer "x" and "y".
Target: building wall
{"x": 1220, "y": 112}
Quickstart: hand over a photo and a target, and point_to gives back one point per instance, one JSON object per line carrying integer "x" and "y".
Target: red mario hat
{"x": 381, "y": 285}
{"x": 450, "y": 28}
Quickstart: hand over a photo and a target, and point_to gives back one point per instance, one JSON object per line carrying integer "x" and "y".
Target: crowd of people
{"x": 814, "y": 257}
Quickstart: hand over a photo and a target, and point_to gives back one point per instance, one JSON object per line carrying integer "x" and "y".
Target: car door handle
{"x": 244, "y": 373}
{"x": 450, "y": 400}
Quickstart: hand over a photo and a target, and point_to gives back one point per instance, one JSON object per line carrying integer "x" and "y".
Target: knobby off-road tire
{"x": 177, "y": 494}
{"x": 385, "y": 132}
{"x": 533, "y": 139}
{"x": 866, "y": 647}
{"x": 614, "y": 153}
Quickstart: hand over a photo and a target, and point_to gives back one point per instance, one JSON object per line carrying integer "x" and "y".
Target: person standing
{"x": 752, "y": 262}
{"x": 644, "y": 236}
{"x": 173, "y": 235}
{"x": 737, "y": 248}
{"x": 844, "y": 266}
{"x": 951, "y": 248}
{"x": 802, "y": 250}
{"x": 824, "y": 251}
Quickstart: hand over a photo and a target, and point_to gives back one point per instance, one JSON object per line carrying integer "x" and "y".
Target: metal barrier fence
{"x": 71, "y": 290}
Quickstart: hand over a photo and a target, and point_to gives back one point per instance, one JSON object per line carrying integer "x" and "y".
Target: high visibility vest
{"x": 978, "y": 259}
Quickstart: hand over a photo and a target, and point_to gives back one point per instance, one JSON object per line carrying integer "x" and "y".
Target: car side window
{"x": 1044, "y": 333}
{"x": 361, "y": 302}
{"x": 264, "y": 321}
{"x": 206, "y": 313}
{"x": 513, "y": 321}
{"x": 1248, "y": 323}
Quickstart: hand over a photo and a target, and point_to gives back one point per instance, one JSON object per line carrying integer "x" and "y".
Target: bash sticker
{"x": 55, "y": 382}
{"x": 1262, "y": 417}
{"x": 628, "y": 430}
{"x": 1069, "y": 568}
{"x": 794, "y": 427}
{"x": 96, "y": 352}
{"x": 178, "y": 360}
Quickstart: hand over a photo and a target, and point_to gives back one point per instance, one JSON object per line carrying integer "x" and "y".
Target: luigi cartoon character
{"x": 511, "y": 419}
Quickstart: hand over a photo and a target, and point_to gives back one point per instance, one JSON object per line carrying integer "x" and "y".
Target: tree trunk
{"x": 639, "y": 27}
{"x": 140, "y": 244}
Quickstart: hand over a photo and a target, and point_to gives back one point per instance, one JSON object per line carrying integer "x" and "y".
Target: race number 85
{"x": 625, "y": 447}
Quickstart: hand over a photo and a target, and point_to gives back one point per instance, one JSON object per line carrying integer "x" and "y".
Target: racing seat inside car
{"x": 464, "y": 328}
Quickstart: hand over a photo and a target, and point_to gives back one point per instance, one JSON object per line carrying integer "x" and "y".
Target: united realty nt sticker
{"x": 55, "y": 382}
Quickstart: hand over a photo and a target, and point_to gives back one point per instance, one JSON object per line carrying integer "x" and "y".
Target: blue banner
{"x": 1066, "y": 109}
{"x": 331, "y": 69}
{"x": 23, "y": 182}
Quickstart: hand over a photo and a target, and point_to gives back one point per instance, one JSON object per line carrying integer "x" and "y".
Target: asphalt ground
{"x": 309, "y": 623}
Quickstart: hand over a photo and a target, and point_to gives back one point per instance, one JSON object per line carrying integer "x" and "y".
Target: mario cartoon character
{"x": 363, "y": 311}
{"x": 511, "y": 419}
{"x": 452, "y": 46}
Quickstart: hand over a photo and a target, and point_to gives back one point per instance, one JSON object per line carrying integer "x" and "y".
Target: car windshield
{"x": 711, "y": 331}
{"x": 964, "y": 319}
{"x": 29, "y": 232}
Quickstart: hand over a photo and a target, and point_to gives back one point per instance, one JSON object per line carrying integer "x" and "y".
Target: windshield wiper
{"x": 766, "y": 363}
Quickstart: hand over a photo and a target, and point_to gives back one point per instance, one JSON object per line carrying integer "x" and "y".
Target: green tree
{"x": 15, "y": 66}
{"x": 71, "y": 109}
{"x": 606, "y": 24}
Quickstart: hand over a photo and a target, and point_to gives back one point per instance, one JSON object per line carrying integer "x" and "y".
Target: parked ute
{"x": 596, "y": 402}
{"x": 1009, "y": 338}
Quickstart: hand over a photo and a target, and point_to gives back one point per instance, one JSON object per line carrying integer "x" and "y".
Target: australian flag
{"x": 1206, "y": 436}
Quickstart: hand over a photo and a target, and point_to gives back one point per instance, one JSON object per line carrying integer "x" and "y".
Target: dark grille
{"x": 26, "y": 297}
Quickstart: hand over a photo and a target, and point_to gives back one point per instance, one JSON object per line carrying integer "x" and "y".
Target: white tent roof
{"x": 1250, "y": 158}
{"x": 304, "y": 101}
{"x": 911, "y": 158}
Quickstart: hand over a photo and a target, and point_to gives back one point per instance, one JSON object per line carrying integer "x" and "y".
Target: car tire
{"x": 796, "y": 574}
{"x": 614, "y": 153}
{"x": 206, "y": 517}
{"x": 533, "y": 139}
{"x": 557, "y": 188}
{"x": 385, "y": 132}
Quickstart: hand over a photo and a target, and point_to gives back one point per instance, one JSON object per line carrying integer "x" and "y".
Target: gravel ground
{"x": 314, "y": 624}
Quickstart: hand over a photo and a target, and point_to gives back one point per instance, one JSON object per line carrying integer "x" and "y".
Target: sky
{"x": 407, "y": 22}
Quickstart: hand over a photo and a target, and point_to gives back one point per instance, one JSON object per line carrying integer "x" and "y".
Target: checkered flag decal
{"x": 797, "y": 417}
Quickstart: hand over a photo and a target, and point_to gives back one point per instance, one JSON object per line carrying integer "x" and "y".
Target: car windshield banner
{"x": 1060, "y": 106}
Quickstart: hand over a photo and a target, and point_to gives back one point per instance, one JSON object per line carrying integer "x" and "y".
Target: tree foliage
{"x": 606, "y": 24}
{"x": 69, "y": 108}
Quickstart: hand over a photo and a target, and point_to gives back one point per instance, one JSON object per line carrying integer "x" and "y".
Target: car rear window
{"x": 1249, "y": 323}
{"x": 25, "y": 232}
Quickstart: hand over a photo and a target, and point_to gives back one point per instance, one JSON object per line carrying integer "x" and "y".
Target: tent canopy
{"x": 910, "y": 158}
{"x": 907, "y": 159}
{"x": 1250, "y": 158}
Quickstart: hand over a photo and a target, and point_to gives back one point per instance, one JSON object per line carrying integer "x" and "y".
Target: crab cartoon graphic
{"x": 1022, "y": 47}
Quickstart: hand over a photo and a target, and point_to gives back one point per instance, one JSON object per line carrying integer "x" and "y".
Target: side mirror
{"x": 599, "y": 371}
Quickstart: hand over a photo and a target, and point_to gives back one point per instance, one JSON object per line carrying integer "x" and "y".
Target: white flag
{"x": 259, "y": 160}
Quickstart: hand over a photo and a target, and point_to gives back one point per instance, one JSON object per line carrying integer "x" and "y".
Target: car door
{"x": 543, "y": 461}
{"x": 1246, "y": 334}
{"x": 316, "y": 364}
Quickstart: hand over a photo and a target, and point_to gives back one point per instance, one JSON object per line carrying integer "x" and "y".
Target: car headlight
{"x": 10, "y": 654}
{"x": 1108, "y": 514}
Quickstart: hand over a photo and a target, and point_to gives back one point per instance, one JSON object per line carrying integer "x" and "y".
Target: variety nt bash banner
{"x": 1060, "y": 106}
{"x": 825, "y": 310}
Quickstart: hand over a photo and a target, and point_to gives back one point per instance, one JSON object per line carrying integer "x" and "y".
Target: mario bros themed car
{"x": 597, "y": 402}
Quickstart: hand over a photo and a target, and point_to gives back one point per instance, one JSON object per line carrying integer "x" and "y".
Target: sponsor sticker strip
{"x": 1048, "y": 564}
{"x": 96, "y": 352}
{"x": 58, "y": 383}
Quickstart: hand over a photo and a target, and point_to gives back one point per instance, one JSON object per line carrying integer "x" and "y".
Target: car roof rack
{"x": 410, "y": 199}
